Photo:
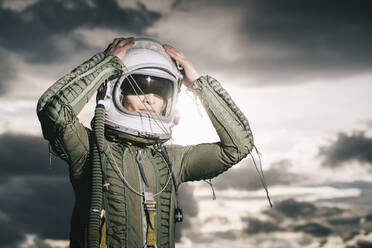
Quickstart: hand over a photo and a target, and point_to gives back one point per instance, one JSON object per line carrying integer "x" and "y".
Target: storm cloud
{"x": 255, "y": 226}
{"x": 347, "y": 148}
{"x": 7, "y": 72}
{"x": 317, "y": 35}
{"x": 10, "y": 236}
{"x": 38, "y": 205}
{"x": 313, "y": 220}
{"x": 364, "y": 244}
{"x": 189, "y": 206}
{"x": 246, "y": 177}
{"x": 263, "y": 43}
{"x": 295, "y": 209}
{"x": 314, "y": 229}
{"x": 33, "y": 31}
{"x": 287, "y": 213}
{"x": 34, "y": 199}
{"x": 287, "y": 41}
{"x": 24, "y": 155}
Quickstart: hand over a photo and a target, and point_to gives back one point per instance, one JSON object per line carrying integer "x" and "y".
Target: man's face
{"x": 147, "y": 103}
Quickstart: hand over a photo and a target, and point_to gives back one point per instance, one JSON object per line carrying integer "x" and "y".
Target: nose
{"x": 149, "y": 98}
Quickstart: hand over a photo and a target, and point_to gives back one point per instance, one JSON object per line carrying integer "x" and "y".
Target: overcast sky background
{"x": 300, "y": 71}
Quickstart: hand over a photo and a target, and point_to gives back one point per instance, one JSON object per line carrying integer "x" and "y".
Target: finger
{"x": 128, "y": 45}
{"x": 166, "y": 46}
{"x": 171, "y": 54}
{"x": 170, "y": 48}
{"x": 116, "y": 41}
{"x": 123, "y": 42}
{"x": 175, "y": 53}
{"x": 177, "y": 56}
{"x": 125, "y": 47}
{"x": 111, "y": 45}
{"x": 173, "y": 49}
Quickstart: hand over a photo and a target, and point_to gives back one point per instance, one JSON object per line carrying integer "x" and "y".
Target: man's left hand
{"x": 191, "y": 74}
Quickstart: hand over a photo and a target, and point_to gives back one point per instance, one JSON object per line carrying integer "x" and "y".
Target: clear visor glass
{"x": 148, "y": 94}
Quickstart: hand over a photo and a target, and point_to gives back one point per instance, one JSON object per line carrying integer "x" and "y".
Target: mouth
{"x": 147, "y": 111}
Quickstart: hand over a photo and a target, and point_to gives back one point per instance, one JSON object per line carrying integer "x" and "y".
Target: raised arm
{"x": 206, "y": 161}
{"x": 59, "y": 106}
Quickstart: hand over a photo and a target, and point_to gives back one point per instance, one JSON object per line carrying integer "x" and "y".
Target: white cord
{"x": 118, "y": 171}
{"x": 162, "y": 126}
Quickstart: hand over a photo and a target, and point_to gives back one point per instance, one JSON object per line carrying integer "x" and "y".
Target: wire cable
{"x": 118, "y": 171}
{"x": 151, "y": 113}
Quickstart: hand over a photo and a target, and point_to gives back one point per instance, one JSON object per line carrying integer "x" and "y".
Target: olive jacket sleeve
{"x": 59, "y": 106}
{"x": 205, "y": 161}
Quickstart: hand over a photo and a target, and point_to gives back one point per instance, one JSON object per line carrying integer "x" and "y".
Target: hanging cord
{"x": 162, "y": 127}
{"x": 151, "y": 114}
{"x": 118, "y": 171}
{"x": 258, "y": 169}
{"x": 158, "y": 118}
{"x": 164, "y": 152}
{"x": 140, "y": 167}
{"x": 178, "y": 216}
{"x": 132, "y": 81}
{"x": 209, "y": 182}
{"x": 51, "y": 153}
{"x": 260, "y": 173}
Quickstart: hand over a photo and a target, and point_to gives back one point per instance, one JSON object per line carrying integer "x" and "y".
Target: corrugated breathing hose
{"x": 97, "y": 179}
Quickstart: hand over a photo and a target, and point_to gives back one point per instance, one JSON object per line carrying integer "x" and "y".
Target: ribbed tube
{"x": 96, "y": 188}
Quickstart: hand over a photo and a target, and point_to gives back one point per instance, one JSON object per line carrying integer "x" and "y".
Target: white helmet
{"x": 146, "y": 69}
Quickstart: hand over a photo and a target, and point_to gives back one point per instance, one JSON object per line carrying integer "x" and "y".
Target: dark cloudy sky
{"x": 300, "y": 70}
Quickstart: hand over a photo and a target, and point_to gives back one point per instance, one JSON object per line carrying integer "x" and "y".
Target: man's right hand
{"x": 119, "y": 47}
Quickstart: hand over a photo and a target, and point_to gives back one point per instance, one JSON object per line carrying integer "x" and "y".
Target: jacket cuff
{"x": 196, "y": 85}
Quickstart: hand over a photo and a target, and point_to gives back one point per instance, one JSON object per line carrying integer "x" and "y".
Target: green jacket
{"x": 57, "y": 110}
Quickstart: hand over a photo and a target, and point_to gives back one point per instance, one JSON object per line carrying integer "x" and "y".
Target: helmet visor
{"x": 144, "y": 93}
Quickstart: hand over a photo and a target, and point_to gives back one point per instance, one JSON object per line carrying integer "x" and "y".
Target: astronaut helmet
{"x": 140, "y": 103}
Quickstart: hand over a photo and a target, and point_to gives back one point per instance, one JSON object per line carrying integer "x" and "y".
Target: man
{"x": 124, "y": 178}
